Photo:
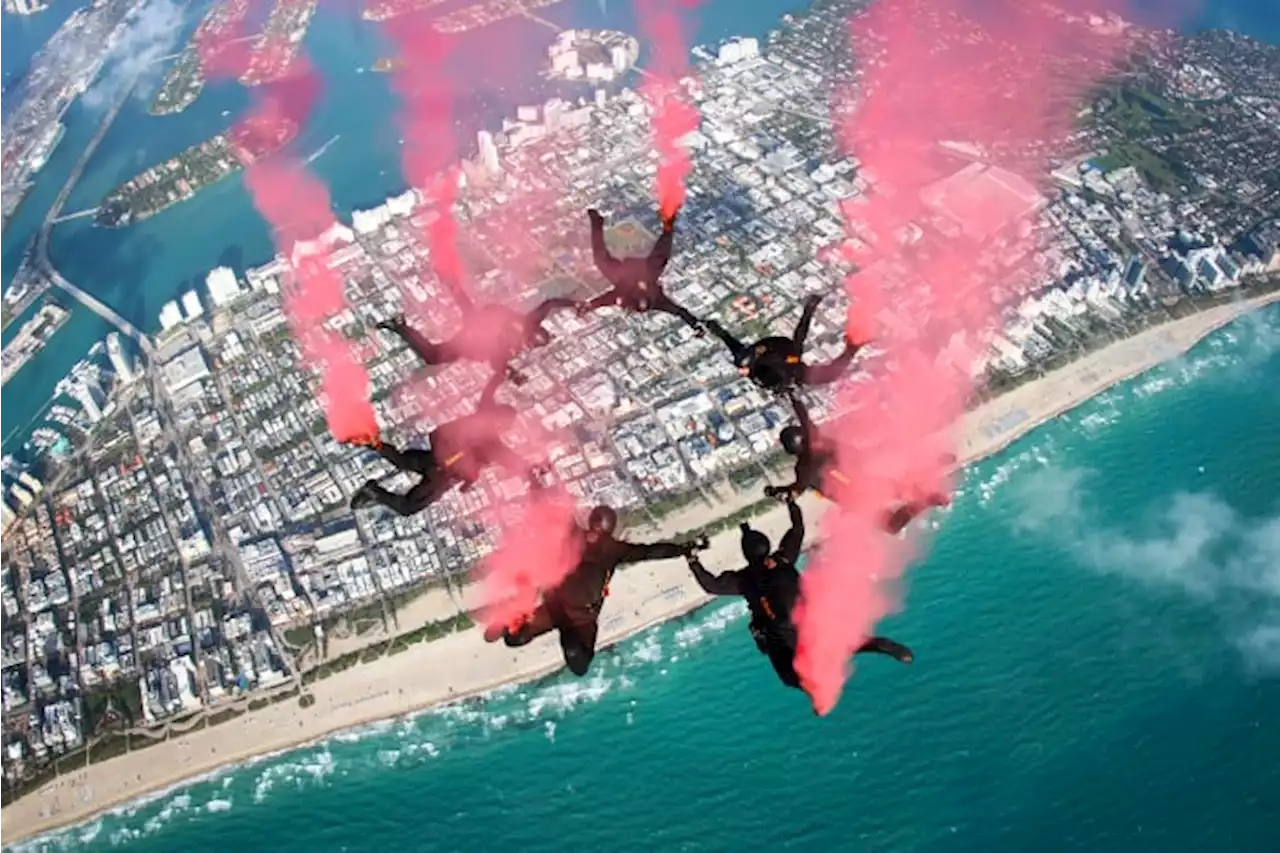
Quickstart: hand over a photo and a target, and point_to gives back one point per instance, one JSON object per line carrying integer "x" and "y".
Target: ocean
{"x": 1096, "y": 624}
{"x": 1096, "y": 628}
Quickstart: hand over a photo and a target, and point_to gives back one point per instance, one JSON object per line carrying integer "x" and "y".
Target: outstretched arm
{"x": 642, "y": 552}
{"x": 660, "y": 254}
{"x": 726, "y": 583}
{"x": 605, "y": 262}
{"x": 539, "y": 314}
{"x": 806, "y": 318}
{"x": 793, "y": 539}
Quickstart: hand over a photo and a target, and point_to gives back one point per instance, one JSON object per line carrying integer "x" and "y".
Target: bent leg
{"x": 426, "y": 492}
{"x": 783, "y": 660}
{"x": 825, "y": 374}
{"x": 885, "y": 646}
{"x": 578, "y": 641}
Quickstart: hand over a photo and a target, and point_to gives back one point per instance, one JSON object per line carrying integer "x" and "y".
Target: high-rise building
{"x": 488, "y": 152}
{"x": 223, "y": 286}
{"x": 85, "y": 396}
{"x": 170, "y": 315}
{"x": 191, "y": 304}
{"x": 119, "y": 358}
{"x": 619, "y": 58}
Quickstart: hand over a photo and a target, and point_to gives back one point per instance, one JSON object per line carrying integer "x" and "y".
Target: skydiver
{"x": 816, "y": 469}
{"x": 770, "y": 583}
{"x": 492, "y": 333}
{"x": 776, "y": 363}
{"x": 634, "y": 281}
{"x": 573, "y": 608}
{"x": 459, "y": 451}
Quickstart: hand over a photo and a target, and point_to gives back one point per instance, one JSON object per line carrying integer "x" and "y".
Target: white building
{"x": 223, "y": 286}
{"x": 191, "y": 305}
{"x": 84, "y": 395}
{"x": 170, "y": 315}
{"x": 488, "y": 152}
{"x": 119, "y": 358}
{"x": 187, "y": 368}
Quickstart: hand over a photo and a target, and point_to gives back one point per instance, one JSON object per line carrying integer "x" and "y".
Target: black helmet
{"x": 755, "y": 545}
{"x": 603, "y": 520}
{"x": 792, "y": 438}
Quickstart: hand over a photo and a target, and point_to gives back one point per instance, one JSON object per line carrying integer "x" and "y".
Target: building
{"x": 170, "y": 315}
{"x": 982, "y": 200}
{"x": 119, "y": 358}
{"x": 488, "y": 152}
{"x": 83, "y": 393}
{"x": 223, "y": 286}
{"x": 186, "y": 368}
{"x": 191, "y": 304}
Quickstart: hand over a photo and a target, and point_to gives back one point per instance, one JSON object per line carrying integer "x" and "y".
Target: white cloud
{"x": 150, "y": 32}
{"x": 1195, "y": 545}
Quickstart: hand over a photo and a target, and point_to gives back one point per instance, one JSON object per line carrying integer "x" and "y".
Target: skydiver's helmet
{"x": 755, "y": 545}
{"x": 540, "y": 337}
{"x": 601, "y": 523}
{"x": 792, "y": 438}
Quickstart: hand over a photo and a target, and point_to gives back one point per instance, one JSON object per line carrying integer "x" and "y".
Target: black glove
{"x": 595, "y": 216}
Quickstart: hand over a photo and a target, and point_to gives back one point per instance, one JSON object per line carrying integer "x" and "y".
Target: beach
{"x": 461, "y": 665}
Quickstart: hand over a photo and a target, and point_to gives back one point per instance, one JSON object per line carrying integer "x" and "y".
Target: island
{"x": 31, "y": 338}
{"x": 483, "y": 14}
{"x": 185, "y": 80}
{"x": 279, "y": 42}
{"x": 181, "y": 177}
{"x": 382, "y": 10}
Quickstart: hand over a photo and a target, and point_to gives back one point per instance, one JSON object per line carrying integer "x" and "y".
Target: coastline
{"x": 642, "y": 596}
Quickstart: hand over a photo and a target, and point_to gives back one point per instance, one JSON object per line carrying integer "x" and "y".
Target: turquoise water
{"x": 1095, "y": 632}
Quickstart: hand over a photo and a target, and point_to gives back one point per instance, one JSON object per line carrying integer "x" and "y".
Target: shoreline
{"x": 643, "y": 596}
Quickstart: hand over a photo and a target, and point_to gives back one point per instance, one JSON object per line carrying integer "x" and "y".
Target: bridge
{"x": 169, "y": 56}
{"x": 41, "y": 252}
{"x": 79, "y": 214}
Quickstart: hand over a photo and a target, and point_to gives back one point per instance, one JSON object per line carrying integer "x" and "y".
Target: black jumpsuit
{"x": 771, "y": 589}
{"x": 777, "y": 363}
{"x": 524, "y": 331}
{"x": 460, "y": 451}
{"x": 816, "y": 469}
{"x": 635, "y": 280}
{"x": 573, "y": 608}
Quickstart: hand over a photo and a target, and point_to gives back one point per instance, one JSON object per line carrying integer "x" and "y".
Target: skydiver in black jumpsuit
{"x": 573, "y": 608}
{"x": 777, "y": 363}
{"x": 460, "y": 451}
{"x": 816, "y": 469}
{"x": 516, "y": 332}
{"x": 635, "y": 280}
{"x": 771, "y": 585}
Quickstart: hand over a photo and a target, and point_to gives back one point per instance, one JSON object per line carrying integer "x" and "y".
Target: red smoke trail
{"x": 297, "y": 206}
{"x": 1010, "y": 85}
{"x": 674, "y": 116}
{"x": 535, "y": 552}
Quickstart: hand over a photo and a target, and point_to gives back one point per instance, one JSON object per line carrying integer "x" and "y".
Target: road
{"x": 41, "y": 253}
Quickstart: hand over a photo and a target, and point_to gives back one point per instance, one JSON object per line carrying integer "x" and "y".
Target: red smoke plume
{"x": 536, "y": 551}
{"x": 297, "y": 206}
{"x": 674, "y": 116}
{"x": 1009, "y": 86}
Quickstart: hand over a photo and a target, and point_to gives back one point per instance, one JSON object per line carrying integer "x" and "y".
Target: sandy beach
{"x": 462, "y": 665}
